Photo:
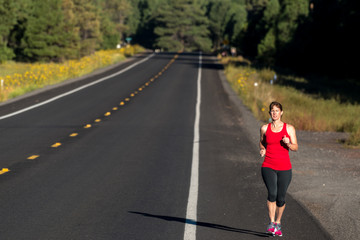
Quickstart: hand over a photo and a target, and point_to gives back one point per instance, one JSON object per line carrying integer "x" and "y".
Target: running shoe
{"x": 277, "y": 231}
{"x": 271, "y": 228}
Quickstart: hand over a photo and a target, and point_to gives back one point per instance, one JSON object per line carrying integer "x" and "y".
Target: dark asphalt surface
{"x": 127, "y": 177}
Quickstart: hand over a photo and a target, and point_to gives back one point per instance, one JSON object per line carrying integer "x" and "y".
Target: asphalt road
{"x": 114, "y": 160}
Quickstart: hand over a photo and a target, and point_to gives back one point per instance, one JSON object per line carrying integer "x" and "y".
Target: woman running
{"x": 276, "y": 138}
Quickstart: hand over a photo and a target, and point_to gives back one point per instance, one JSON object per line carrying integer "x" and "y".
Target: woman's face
{"x": 275, "y": 113}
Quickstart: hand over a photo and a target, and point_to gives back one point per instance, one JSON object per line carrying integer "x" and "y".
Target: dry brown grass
{"x": 302, "y": 110}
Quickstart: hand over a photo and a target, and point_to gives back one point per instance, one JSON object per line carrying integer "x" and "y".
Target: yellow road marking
{"x": 4, "y": 170}
{"x": 55, "y": 145}
{"x": 32, "y": 157}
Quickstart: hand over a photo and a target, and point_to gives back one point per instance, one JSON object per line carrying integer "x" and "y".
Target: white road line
{"x": 76, "y": 89}
{"x": 191, "y": 212}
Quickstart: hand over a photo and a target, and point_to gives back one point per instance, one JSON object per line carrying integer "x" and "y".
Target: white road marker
{"x": 191, "y": 212}
{"x": 76, "y": 89}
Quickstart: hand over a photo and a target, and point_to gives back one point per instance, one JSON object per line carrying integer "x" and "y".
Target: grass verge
{"x": 304, "y": 111}
{"x": 19, "y": 78}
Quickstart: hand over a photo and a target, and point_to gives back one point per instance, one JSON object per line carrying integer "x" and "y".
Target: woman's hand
{"x": 286, "y": 140}
{"x": 262, "y": 152}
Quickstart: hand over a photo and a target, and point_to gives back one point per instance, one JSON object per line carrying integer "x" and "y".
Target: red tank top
{"x": 277, "y": 153}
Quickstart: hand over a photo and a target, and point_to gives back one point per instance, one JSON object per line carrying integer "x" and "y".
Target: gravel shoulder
{"x": 326, "y": 175}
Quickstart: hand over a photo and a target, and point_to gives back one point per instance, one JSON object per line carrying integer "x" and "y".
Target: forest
{"x": 305, "y": 35}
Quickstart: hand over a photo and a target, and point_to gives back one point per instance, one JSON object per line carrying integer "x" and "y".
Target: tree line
{"x": 55, "y": 30}
{"x": 289, "y": 32}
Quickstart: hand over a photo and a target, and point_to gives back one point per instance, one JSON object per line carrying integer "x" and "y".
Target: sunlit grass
{"x": 304, "y": 111}
{"x": 19, "y": 78}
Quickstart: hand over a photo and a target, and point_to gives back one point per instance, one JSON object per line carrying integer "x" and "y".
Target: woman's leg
{"x": 279, "y": 213}
{"x": 270, "y": 179}
{"x": 272, "y": 210}
{"x": 284, "y": 179}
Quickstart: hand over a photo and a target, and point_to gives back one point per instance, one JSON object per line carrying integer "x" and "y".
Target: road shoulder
{"x": 326, "y": 175}
{"x": 50, "y": 91}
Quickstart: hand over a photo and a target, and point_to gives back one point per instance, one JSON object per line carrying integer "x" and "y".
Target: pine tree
{"x": 292, "y": 14}
{"x": 44, "y": 35}
{"x": 236, "y": 21}
{"x": 267, "y": 46}
{"x": 71, "y": 30}
{"x": 23, "y": 10}
{"x": 218, "y": 20}
{"x": 182, "y": 26}
{"x": 254, "y": 30}
{"x": 133, "y": 18}
{"x": 118, "y": 12}
{"x": 109, "y": 34}
{"x": 88, "y": 23}
{"x": 148, "y": 10}
{"x": 281, "y": 20}
{"x": 7, "y": 21}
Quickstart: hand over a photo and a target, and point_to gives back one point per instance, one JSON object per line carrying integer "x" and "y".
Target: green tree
{"x": 293, "y": 13}
{"x": 267, "y": 46}
{"x": 281, "y": 20}
{"x": 23, "y": 9}
{"x": 218, "y": 20}
{"x": 256, "y": 6}
{"x": 182, "y": 25}
{"x": 118, "y": 12}
{"x": 43, "y": 38}
{"x": 88, "y": 23}
{"x": 237, "y": 16}
{"x": 133, "y": 18}
{"x": 254, "y": 30}
{"x": 71, "y": 30}
{"x": 109, "y": 33}
{"x": 271, "y": 13}
{"x": 227, "y": 20}
{"x": 148, "y": 12}
{"x": 7, "y": 22}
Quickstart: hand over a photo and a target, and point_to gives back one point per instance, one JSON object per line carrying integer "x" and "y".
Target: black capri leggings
{"x": 277, "y": 183}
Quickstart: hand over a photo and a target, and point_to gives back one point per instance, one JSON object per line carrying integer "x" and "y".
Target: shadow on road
{"x": 203, "y": 224}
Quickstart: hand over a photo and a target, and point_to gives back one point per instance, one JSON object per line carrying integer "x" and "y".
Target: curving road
{"x": 114, "y": 159}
